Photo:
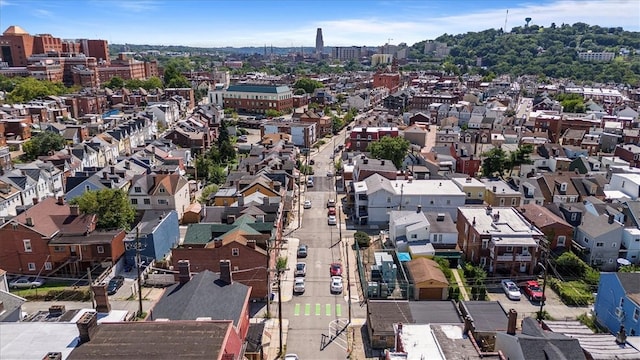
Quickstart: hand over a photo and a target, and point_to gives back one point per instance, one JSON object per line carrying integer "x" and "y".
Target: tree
{"x": 390, "y": 148}
{"x": 115, "y": 82}
{"x": 272, "y": 113}
{"x": 206, "y": 192}
{"x": 520, "y": 157}
{"x": 41, "y": 144}
{"x": 308, "y": 85}
{"x": 494, "y": 163}
{"x": 111, "y": 205}
{"x": 362, "y": 238}
{"x": 336, "y": 124}
{"x": 153, "y": 82}
{"x": 173, "y": 78}
{"x": 29, "y": 88}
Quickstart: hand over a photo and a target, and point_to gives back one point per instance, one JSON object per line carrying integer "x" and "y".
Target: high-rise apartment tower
{"x": 319, "y": 42}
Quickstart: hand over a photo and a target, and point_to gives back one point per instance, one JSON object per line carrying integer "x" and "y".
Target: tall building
{"x": 319, "y": 42}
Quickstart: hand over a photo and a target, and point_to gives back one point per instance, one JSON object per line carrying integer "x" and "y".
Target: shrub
{"x": 572, "y": 292}
{"x": 445, "y": 266}
{"x": 362, "y": 238}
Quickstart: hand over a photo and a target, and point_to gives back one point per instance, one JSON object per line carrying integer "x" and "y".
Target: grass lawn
{"x": 43, "y": 290}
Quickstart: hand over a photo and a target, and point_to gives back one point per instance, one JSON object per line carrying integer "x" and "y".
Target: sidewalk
{"x": 271, "y": 336}
{"x": 290, "y": 251}
{"x": 463, "y": 290}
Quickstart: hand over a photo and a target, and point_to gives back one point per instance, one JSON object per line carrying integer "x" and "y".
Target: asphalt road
{"x": 317, "y": 318}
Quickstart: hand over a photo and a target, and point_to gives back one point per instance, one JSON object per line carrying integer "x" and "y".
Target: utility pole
{"x": 545, "y": 265}
{"x": 138, "y": 267}
{"x": 93, "y": 305}
{"x": 346, "y": 254}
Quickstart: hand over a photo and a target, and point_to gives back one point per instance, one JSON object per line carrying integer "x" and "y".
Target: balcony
{"x": 511, "y": 257}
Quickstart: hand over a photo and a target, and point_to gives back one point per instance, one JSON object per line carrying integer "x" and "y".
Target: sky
{"x": 293, "y": 23}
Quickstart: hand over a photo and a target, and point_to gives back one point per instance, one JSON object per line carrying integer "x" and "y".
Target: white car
{"x": 298, "y": 285}
{"x": 301, "y": 269}
{"x": 336, "y": 285}
{"x": 291, "y": 357}
{"x": 511, "y": 289}
{"x": 26, "y": 282}
{"x": 307, "y": 204}
{"x": 332, "y": 220}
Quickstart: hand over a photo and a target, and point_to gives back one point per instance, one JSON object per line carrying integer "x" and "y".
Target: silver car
{"x": 26, "y": 282}
{"x": 298, "y": 285}
{"x": 301, "y": 269}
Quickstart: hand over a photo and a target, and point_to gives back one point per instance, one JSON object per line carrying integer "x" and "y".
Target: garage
{"x": 429, "y": 282}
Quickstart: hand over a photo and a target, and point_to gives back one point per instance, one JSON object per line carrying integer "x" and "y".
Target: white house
{"x": 376, "y": 197}
{"x": 631, "y": 245}
{"x": 407, "y": 226}
{"x": 629, "y": 184}
{"x": 167, "y": 113}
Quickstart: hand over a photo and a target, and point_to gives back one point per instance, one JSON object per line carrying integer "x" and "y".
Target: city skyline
{"x": 294, "y": 24}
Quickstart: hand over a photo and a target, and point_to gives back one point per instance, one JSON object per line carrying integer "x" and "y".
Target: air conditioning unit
{"x": 619, "y": 313}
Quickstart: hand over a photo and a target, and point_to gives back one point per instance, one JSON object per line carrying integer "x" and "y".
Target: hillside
{"x": 550, "y": 52}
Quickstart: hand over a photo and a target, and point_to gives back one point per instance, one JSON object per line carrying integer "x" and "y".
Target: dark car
{"x": 115, "y": 284}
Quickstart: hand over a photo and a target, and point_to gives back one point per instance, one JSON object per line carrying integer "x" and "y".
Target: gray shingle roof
{"x": 205, "y": 295}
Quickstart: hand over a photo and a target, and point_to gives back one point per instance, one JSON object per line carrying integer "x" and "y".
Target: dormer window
{"x": 137, "y": 189}
{"x": 563, "y": 187}
{"x": 162, "y": 190}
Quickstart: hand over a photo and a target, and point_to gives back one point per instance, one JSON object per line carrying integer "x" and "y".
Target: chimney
{"x": 365, "y": 161}
{"x": 104, "y": 175}
{"x": 87, "y": 325}
{"x": 53, "y": 356}
{"x": 60, "y": 200}
{"x": 512, "y": 320}
{"x": 611, "y": 217}
{"x": 225, "y": 271}
{"x": 127, "y": 165}
{"x": 101, "y": 297}
{"x": 35, "y": 200}
{"x": 381, "y": 162}
{"x": 240, "y": 199}
{"x": 57, "y": 310}
{"x": 276, "y": 186}
{"x": 251, "y": 244}
{"x": 399, "y": 346}
{"x": 217, "y": 242}
{"x": 184, "y": 271}
{"x": 112, "y": 170}
{"x": 74, "y": 210}
{"x": 419, "y": 209}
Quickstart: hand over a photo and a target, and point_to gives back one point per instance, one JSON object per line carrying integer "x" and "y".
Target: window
{"x": 47, "y": 265}
{"x": 14, "y": 226}
{"x": 162, "y": 190}
{"x": 435, "y": 237}
{"x": 235, "y": 252}
{"x": 32, "y": 266}
{"x": 513, "y": 202}
{"x": 137, "y": 189}
{"x": 162, "y": 202}
{"x": 509, "y": 248}
{"x": 58, "y": 249}
{"x": 414, "y": 236}
{"x": 483, "y": 261}
{"x": 448, "y": 202}
{"x": 388, "y": 200}
{"x": 147, "y": 201}
{"x": 621, "y": 304}
{"x": 27, "y": 245}
{"x": 485, "y": 243}
{"x": 636, "y": 314}
{"x": 574, "y": 216}
{"x": 613, "y": 245}
{"x": 134, "y": 201}
{"x": 586, "y": 240}
{"x": 561, "y": 240}
{"x": 501, "y": 202}
{"x": 599, "y": 244}
{"x": 100, "y": 249}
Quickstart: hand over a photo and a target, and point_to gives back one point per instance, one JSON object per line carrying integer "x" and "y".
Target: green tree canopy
{"x": 520, "y": 157}
{"x": 29, "y": 88}
{"x": 173, "y": 78}
{"x": 307, "y": 84}
{"x": 41, "y": 144}
{"x": 115, "y": 82}
{"x": 495, "y": 162}
{"x": 111, "y": 205}
{"x": 390, "y": 148}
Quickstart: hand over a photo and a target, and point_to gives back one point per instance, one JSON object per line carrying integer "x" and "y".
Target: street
{"x": 317, "y": 318}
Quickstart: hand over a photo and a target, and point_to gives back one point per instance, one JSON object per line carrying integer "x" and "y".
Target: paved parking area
{"x": 553, "y": 305}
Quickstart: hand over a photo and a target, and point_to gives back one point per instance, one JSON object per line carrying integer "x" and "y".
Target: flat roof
{"x": 33, "y": 340}
{"x": 426, "y": 187}
{"x": 488, "y": 316}
{"x": 503, "y": 221}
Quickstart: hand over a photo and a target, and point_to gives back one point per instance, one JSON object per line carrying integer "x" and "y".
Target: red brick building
{"x": 361, "y": 137}
{"x": 559, "y": 233}
{"x": 389, "y": 80}
{"x": 16, "y": 45}
{"x": 247, "y": 98}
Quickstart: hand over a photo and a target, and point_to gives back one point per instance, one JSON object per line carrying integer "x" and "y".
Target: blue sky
{"x": 219, "y": 23}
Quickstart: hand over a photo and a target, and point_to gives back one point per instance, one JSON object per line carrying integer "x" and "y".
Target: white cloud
{"x": 136, "y": 5}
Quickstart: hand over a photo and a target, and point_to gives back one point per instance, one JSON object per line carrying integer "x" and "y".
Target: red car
{"x": 331, "y": 211}
{"x": 533, "y": 291}
{"x": 335, "y": 269}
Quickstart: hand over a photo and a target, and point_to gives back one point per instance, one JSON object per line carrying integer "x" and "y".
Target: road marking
{"x": 318, "y": 306}
{"x": 296, "y": 310}
{"x": 338, "y": 310}
{"x": 327, "y": 311}
{"x": 307, "y": 309}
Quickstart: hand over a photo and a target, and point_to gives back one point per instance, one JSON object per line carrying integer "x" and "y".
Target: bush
{"x": 572, "y": 292}
{"x": 362, "y": 238}
{"x": 445, "y": 266}
{"x": 60, "y": 295}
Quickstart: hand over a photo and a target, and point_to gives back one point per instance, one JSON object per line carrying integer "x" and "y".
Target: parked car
{"x": 26, "y": 282}
{"x": 332, "y": 220}
{"x": 331, "y": 203}
{"x": 335, "y": 269}
{"x": 309, "y": 182}
{"x": 533, "y": 291}
{"x": 302, "y": 251}
{"x": 301, "y": 269}
{"x": 298, "y": 285}
{"x": 331, "y": 211}
{"x": 307, "y": 204}
{"x": 510, "y": 289}
{"x": 115, "y": 284}
{"x": 336, "y": 285}
{"x": 291, "y": 357}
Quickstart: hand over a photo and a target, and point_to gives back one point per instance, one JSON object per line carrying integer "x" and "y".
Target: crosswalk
{"x": 317, "y": 310}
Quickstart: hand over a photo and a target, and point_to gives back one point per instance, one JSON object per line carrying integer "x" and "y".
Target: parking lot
{"x": 556, "y": 309}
